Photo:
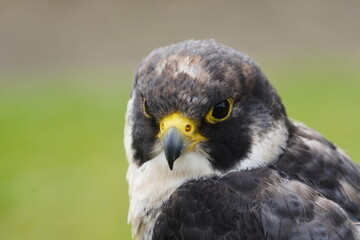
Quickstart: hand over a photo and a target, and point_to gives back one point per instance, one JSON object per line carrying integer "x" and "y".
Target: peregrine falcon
{"x": 213, "y": 155}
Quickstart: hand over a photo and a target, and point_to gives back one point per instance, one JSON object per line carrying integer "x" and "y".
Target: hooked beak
{"x": 173, "y": 145}
{"x": 178, "y": 135}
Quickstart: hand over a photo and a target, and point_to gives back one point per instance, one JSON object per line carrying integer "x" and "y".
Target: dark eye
{"x": 220, "y": 111}
{"x": 146, "y": 109}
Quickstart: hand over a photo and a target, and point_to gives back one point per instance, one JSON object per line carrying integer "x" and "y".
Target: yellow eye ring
{"x": 220, "y": 111}
{"x": 146, "y": 109}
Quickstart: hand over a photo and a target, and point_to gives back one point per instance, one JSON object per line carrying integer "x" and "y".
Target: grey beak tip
{"x": 171, "y": 166}
{"x": 173, "y": 146}
{"x": 171, "y": 154}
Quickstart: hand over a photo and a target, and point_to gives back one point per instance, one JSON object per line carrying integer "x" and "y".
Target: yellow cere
{"x": 185, "y": 125}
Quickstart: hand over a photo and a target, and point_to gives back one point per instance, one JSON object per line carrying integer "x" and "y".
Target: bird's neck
{"x": 151, "y": 184}
{"x": 266, "y": 147}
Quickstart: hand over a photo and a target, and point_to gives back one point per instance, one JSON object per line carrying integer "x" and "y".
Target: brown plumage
{"x": 204, "y": 124}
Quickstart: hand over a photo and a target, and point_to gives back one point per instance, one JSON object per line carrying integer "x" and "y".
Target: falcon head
{"x": 205, "y": 100}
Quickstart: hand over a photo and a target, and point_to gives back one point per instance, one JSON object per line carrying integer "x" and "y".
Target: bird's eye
{"x": 146, "y": 109}
{"x": 220, "y": 111}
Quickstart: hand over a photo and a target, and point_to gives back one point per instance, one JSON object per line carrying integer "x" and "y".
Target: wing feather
{"x": 315, "y": 161}
{"x": 251, "y": 204}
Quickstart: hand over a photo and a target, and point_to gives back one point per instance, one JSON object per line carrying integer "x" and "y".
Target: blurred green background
{"x": 65, "y": 76}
